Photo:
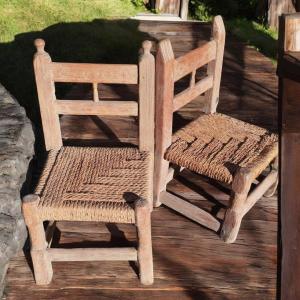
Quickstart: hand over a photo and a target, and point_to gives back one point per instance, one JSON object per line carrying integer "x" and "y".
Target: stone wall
{"x": 16, "y": 150}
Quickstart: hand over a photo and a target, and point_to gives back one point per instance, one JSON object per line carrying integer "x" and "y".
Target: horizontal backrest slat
{"x": 103, "y": 108}
{"x": 194, "y": 60}
{"x": 89, "y": 73}
{"x": 191, "y": 93}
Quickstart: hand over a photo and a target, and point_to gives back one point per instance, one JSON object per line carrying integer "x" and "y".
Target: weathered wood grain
{"x": 190, "y": 262}
{"x": 90, "y": 73}
{"x": 289, "y": 96}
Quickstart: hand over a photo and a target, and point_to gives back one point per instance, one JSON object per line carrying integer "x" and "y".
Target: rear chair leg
{"x": 272, "y": 190}
{"x": 41, "y": 262}
{"x": 235, "y": 213}
{"x": 145, "y": 258}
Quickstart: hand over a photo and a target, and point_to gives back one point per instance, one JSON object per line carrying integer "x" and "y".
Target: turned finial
{"x": 147, "y": 45}
{"x": 40, "y": 45}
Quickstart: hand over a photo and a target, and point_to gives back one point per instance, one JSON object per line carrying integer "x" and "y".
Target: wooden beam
{"x": 194, "y": 60}
{"x": 46, "y": 95}
{"x": 276, "y": 8}
{"x": 168, "y": 6}
{"x": 144, "y": 253}
{"x": 38, "y": 249}
{"x": 215, "y": 67}
{"x": 259, "y": 191}
{"x": 146, "y": 99}
{"x": 92, "y": 254}
{"x": 94, "y": 73}
{"x": 190, "y": 211}
{"x": 104, "y": 108}
{"x": 191, "y": 93}
{"x": 163, "y": 114}
{"x": 289, "y": 96}
{"x": 184, "y": 9}
{"x": 292, "y": 33}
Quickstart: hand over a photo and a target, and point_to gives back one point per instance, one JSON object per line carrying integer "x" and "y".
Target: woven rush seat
{"x": 216, "y": 145}
{"x": 93, "y": 184}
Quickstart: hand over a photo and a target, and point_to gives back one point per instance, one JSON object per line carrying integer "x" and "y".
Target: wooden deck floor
{"x": 190, "y": 262}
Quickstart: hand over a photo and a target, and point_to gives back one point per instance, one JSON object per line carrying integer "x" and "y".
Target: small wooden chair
{"x": 93, "y": 183}
{"x": 214, "y": 145}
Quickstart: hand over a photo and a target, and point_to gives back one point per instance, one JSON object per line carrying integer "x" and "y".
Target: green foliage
{"x": 138, "y": 3}
{"x": 200, "y": 11}
{"x": 203, "y": 9}
{"x": 74, "y": 31}
{"x": 17, "y": 16}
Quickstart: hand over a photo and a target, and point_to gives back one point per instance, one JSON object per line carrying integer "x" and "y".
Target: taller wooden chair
{"x": 214, "y": 145}
{"x": 93, "y": 183}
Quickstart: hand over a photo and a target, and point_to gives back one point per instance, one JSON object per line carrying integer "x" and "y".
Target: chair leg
{"x": 233, "y": 218}
{"x": 161, "y": 169}
{"x": 272, "y": 190}
{"x": 235, "y": 213}
{"x": 145, "y": 258}
{"x": 41, "y": 262}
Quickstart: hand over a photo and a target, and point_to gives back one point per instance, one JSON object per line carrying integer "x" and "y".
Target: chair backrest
{"x": 169, "y": 70}
{"x": 48, "y": 72}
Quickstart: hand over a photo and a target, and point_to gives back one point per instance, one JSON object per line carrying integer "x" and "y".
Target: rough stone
{"x": 16, "y": 151}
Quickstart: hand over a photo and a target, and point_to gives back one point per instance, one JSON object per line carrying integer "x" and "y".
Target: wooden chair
{"x": 93, "y": 183}
{"x": 214, "y": 145}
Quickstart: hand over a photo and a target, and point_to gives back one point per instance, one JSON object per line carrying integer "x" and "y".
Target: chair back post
{"x": 46, "y": 95}
{"x": 163, "y": 113}
{"x": 146, "y": 99}
{"x": 214, "y": 68}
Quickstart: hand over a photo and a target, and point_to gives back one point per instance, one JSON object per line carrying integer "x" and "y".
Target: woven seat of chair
{"x": 93, "y": 184}
{"x": 216, "y": 145}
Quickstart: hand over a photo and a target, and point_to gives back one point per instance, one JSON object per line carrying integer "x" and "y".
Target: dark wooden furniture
{"x": 289, "y": 96}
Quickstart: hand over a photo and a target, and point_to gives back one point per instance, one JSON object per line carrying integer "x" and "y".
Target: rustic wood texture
{"x": 164, "y": 92}
{"x": 46, "y": 92}
{"x": 215, "y": 66}
{"x": 190, "y": 262}
{"x": 146, "y": 99}
{"x": 292, "y": 34}
{"x": 104, "y": 73}
{"x": 168, "y": 6}
{"x": 276, "y": 8}
{"x": 82, "y": 107}
{"x": 144, "y": 251}
{"x": 47, "y": 73}
{"x": 210, "y": 54}
{"x": 195, "y": 59}
{"x": 289, "y": 95}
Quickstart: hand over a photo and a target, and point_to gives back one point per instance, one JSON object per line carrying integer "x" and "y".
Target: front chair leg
{"x": 235, "y": 213}
{"x": 145, "y": 258}
{"x": 41, "y": 262}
